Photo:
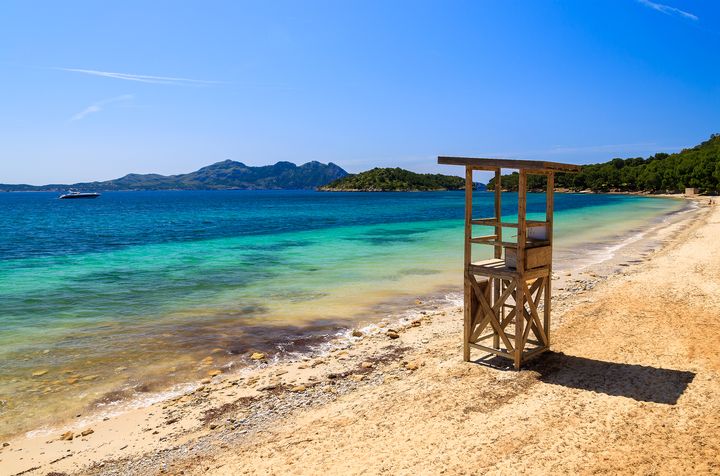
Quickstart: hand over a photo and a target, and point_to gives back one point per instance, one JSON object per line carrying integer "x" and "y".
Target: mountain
{"x": 219, "y": 176}
{"x": 698, "y": 167}
{"x": 394, "y": 180}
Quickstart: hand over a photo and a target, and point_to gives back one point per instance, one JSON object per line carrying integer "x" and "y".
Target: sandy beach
{"x": 632, "y": 386}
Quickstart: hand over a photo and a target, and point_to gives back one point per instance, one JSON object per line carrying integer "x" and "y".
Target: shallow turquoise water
{"x": 151, "y": 281}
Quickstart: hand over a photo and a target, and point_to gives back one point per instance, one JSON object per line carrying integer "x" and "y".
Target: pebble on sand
{"x": 366, "y": 365}
{"x": 257, "y": 356}
{"x": 87, "y": 432}
{"x": 392, "y": 334}
{"x": 412, "y": 365}
{"x": 299, "y": 388}
{"x": 215, "y": 372}
{"x": 357, "y": 333}
{"x": 67, "y": 436}
{"x": 39, "y": 373}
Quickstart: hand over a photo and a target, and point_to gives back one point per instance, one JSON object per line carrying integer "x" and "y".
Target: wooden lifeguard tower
{"x": 503, "y": 294}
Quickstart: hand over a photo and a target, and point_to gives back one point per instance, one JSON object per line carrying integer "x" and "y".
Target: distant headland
{"x": 395, "y": 180}
{"x": 225, "y": 175}
{"x": 232, "y": 175}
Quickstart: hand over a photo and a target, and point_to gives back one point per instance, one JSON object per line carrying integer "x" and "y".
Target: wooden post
{"x": 519, "y": 293}
{"x": 549, "y": 205}
{"x": 498, "y": 215}
{"x": 498, "y": 248}
{"x": 497, "y": 286}
{"x": 467, "y": 329}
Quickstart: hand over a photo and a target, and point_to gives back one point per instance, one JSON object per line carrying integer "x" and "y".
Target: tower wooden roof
{"x": 492, "y": 164}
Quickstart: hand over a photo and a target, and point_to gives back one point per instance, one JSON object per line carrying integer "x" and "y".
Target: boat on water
{"x": 76, "y": 194}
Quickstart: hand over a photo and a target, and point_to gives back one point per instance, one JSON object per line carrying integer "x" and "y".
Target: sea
{"x": 134, "y": 295}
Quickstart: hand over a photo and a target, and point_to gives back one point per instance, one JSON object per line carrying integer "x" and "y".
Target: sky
{"x": 94, "y": 90}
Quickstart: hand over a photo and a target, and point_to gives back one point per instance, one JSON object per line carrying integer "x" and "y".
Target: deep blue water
{"x": 40, "y": 225}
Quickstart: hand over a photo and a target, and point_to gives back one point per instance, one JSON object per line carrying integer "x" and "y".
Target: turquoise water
{"x": 133, "y": 292}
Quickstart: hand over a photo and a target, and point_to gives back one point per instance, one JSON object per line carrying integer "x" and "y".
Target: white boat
{"x": 76, "y": 194}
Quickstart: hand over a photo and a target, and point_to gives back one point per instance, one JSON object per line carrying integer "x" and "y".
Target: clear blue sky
{"x": 362, "y": 84}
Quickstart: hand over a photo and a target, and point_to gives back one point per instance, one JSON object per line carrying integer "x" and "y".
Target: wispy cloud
{"x": 98, "y": 106}
{"x": 668, "y": 10}
{"x": 142, "y": 78}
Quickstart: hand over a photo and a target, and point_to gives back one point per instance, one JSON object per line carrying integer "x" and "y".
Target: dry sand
{"x": 632, "y": 386}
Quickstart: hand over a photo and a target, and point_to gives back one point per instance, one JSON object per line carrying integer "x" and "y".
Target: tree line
{"x": 395, "y": 180}
{"x": 695, "y": 167}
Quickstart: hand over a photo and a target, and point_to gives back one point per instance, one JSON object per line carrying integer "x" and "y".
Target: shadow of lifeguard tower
{"x": 505, "y": 295}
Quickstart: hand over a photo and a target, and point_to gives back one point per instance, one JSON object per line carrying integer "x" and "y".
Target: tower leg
{"x": 467, "y": 316}
{"x": 497, "y": 287}
{"x": 519, "y": 323}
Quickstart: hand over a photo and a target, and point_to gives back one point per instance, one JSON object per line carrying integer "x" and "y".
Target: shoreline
{"x": 317, "y": 340}
{"x": 136, "y": 380}
{"x": 196, "y": 413}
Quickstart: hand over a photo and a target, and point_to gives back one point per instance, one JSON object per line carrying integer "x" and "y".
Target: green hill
{"x": 394, "y": 180}
{"x": 696, "y": 167}
{"x": 227, "y": 174}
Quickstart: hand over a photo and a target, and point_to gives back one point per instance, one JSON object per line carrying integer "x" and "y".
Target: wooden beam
{"x": 468, "y": 215}
{"x": 479, "y": 320}
{"x": 467, "y": 314}
{"x": 491, "y": 315}
{"x": 493, "y": 164}
{"x": 534, "y": 353}
{"x": 498, "y": 284}
{"x": 493, "y": 222}
{"x": 519, "y": 290}
{"x": 483, "y": 239}
{"x": 498, "y": 213}
{"x": 488, "y": 240}
{"x": 522, "y": 229}
{"x": 500, "y": 352}
{"x": 533, "y": 312}
{"x": 503, "y": 297}
{"x": 549, "y": 206}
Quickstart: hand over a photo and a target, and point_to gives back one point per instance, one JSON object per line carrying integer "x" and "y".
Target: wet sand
{"x": 631, "y": 387}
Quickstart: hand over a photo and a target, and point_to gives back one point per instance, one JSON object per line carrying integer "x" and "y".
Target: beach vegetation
{"x": 697, "y": 167}
{"x": 395, "y": 180}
